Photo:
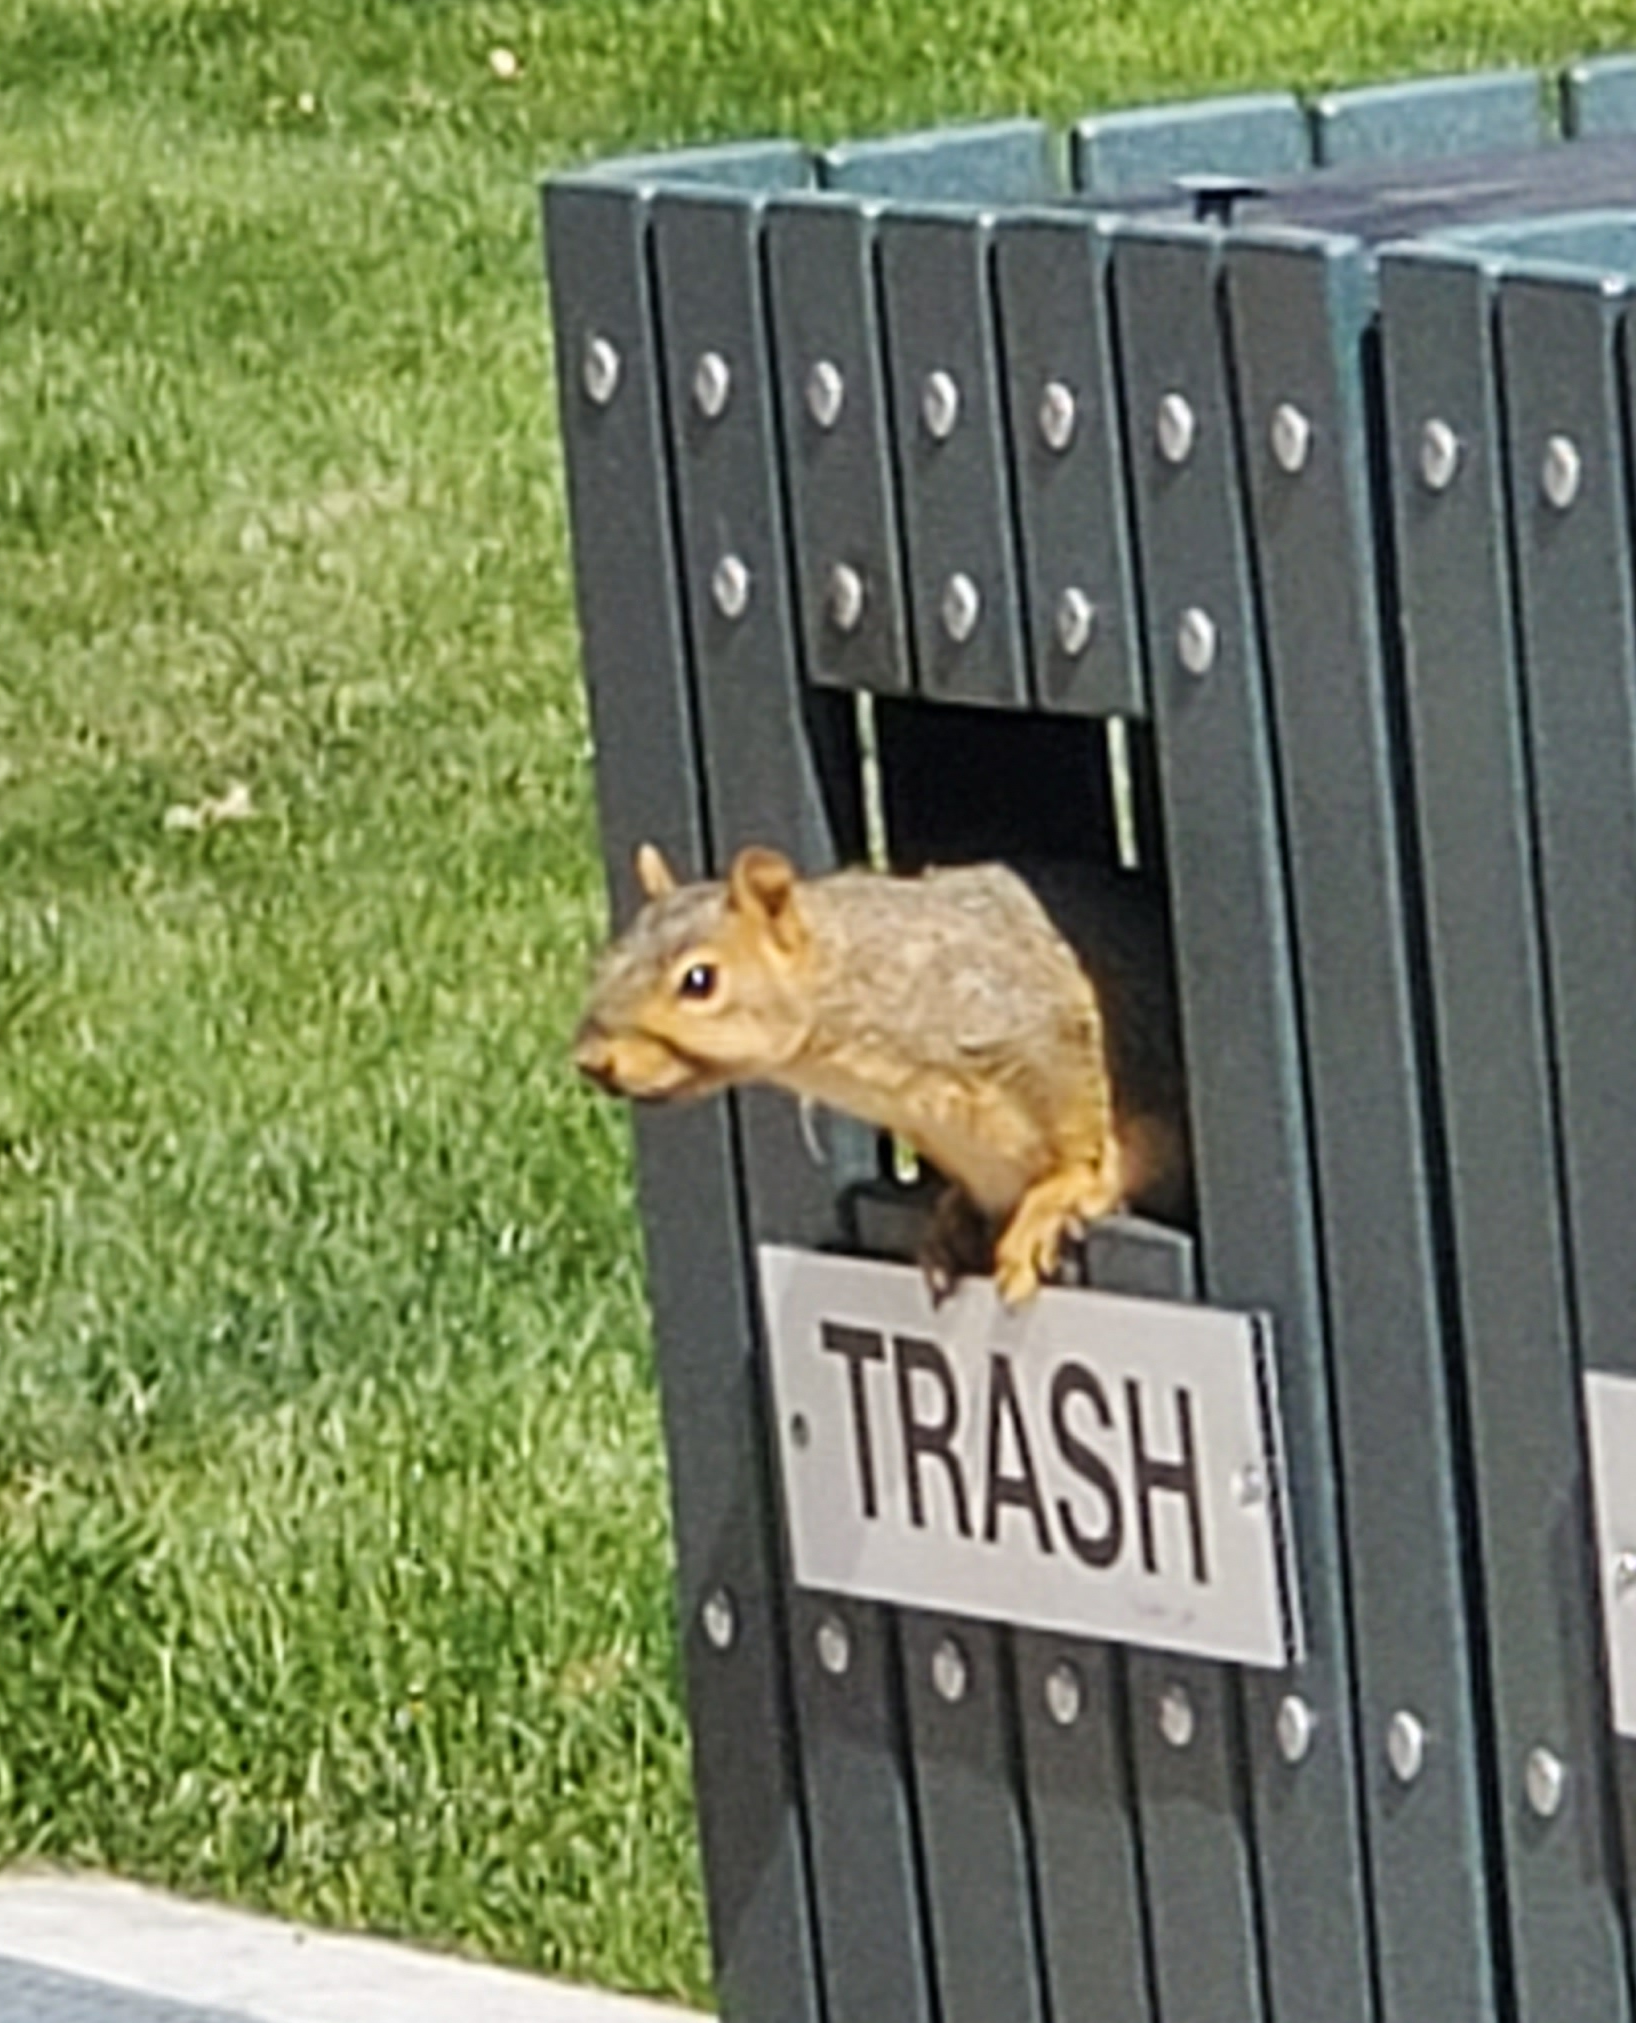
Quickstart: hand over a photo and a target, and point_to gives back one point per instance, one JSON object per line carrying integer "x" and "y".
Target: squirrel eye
{"x": 698, "y": 981}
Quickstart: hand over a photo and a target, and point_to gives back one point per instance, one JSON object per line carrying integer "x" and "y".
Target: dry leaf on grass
{"x": 233, "y": 806}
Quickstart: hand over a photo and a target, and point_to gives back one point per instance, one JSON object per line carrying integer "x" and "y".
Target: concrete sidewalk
{"x": 86, "y": 1949}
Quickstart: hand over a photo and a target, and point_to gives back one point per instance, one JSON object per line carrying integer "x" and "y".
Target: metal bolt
{"x": 1624, "y": 1573}
{"x": 1291, "y": 437}
{"x": 1176, "y": 428}
{"x": 1059, "y": 415}
{"x": 1076, "y": 621}
{"x": 940, "y": 405}
{"x": 845, "y": 598}
{"x": 961, "y": 607}
{"x": 599, "y": 369}
{"x": 1177, "y": 1723}
{"x": 834, "y": 1645}
{"x": 730, "y": 586}
{"x": 720, "y": 1618}
{"x": 1249, "y": 1486}
{"x": 951, "y": 1676}
{"x": 826, "y": 393}
{"x": 1545, "y": 1780}
{"x": 1439, "y": 455}
{"x": 1560, "y": 472}
{"x": 1295, "y": 1727}
{"x": 712, "y": 383}
{"x": 1406, "y": 1745}
{"x": 1196, "y": 640}
{"x": 1064, "y": 1694}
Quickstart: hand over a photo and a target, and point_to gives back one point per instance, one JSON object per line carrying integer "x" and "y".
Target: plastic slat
{"x": 843, "y": 509}
{"x": 876, "y": 1962}
{"x": 1429, "y": 116}
{"x": 1599, "y": 97}
{"x": 973, "y": 1824}
{"x": 1007, "y": 161}
{"x": 956, "y": 506}
{"x": 1093, "y": 1923}
{"x": 1067, "y": 479}
{"x": 1243, "y": 138}
{"x": 1563, "y": 345}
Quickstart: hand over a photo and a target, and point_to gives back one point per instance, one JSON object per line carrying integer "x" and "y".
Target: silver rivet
{"x": 599, "y": 370}
{"x": 1624, "y": 1573}
{"x": 1059, "y": 415}
{"x": 844, "y": 599}
{"x": 730, "y": 586}
{"x": 1196, "y": 640}
{"x": 1545, "y": 1780}
{"x": 834, "y": 1645}
{"x": 1560, "y": 472}
{"x": 826, "y": 393}
{"x": 951, "y": 1676}
{"x": 712, "y": 383}
{"x": 1076, "y": 621}
{"x": 1176, "y": 428}
{"x": 720, "y": 1618}
{"x": 1439, "y": 455}
{"x": 961, "y": 607}
{"x": 1295, "y": 1727}
{"x": 1249, "y": 1486}
{"x": 1406, "y": 1745}
{"x": 940, "y": 405}
{"x": 1177, "y": 1723}
{"x": 1291, "y": 437}
{"x": 1064, "y": 1694}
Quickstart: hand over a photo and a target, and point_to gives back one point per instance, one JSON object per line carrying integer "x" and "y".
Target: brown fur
{"x": 946, "y": 1008}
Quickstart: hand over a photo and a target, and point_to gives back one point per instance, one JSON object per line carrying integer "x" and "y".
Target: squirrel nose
{"x": 593, "y": 1056}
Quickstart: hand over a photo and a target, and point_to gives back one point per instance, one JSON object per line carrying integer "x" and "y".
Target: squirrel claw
{"x": 1016, "y": 1283}
{"x": 1027, "y": 1254}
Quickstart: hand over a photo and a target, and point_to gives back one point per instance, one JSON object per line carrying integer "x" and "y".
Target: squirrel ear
{"x": 761, "y": 886}
{"x": 653, "y": 874}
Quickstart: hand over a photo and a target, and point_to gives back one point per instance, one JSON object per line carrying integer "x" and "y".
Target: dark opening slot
{"x": 963, "y": 785}
{"x": 1035, "y": 791}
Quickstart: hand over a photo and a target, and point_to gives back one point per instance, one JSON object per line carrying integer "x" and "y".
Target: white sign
{"x": 1092, "y": 1464}
{"x": 1610, "y": 1414}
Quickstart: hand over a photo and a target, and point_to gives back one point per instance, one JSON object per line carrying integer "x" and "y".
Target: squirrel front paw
{"x": 1027, "y": 1253}
{"x": 1030, "y": 1246}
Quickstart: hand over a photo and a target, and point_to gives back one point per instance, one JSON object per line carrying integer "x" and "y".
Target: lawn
{"x": 333, "y": 1561}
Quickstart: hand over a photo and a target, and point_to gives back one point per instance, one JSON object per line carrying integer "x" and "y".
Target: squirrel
{"x": 945, "y": 1007}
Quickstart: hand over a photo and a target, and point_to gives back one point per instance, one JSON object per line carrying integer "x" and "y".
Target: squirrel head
{"x": 706, "y": 987}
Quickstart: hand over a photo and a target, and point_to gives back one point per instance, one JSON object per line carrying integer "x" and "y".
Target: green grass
{"x": 333, "y": 1563}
